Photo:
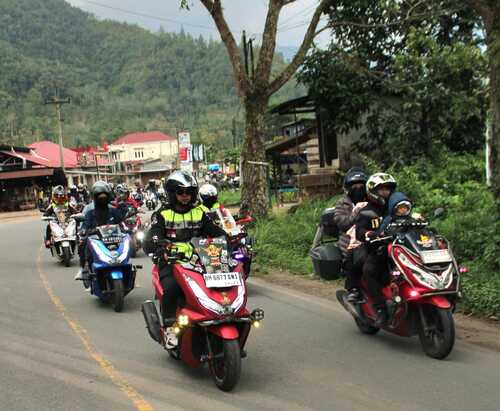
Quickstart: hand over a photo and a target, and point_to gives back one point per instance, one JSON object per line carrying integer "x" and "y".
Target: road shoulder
{"x": 477, "y": 331}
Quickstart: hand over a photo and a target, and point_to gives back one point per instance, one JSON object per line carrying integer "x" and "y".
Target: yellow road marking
{"x": 119, "y": 380}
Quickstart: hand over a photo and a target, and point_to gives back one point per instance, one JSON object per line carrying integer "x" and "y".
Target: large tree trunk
{"x": 255, "y": 185}
{"x": 493, "y": 33}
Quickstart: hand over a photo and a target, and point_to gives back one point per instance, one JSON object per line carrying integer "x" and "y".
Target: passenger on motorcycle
{"x": 379, "y": 188}
{"x": 179, "y": 220}
{"x": 100, "y": 214}
{"x": 59, "y": 201}
{"x": 83, "y": 193}
{"x": 209, "y": 197}
{"x": 123, "y": 198}
{"x": 346, "y": 212}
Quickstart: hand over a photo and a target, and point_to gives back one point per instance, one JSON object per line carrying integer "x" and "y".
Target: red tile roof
{"x": 144, "y": 137}
{"x": 47, "y": 154}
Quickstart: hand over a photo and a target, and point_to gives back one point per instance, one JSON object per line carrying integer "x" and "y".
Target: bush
{"x": 471, "y": 224}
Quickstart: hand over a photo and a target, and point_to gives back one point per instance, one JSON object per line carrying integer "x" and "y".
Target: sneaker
{"x": 79, "y": 275}
{"x": 170, "y": 337}
{"x": 354, "y": 296}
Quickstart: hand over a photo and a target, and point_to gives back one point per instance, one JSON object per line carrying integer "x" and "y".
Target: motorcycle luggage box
{"x": 326, "y": 221}
{"x": 327, "y": 261}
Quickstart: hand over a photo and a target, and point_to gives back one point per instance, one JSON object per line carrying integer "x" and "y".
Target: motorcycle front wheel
{"x": 118, "y": 295}
{"x": 225, "y": 366}
{"x": 438, "y": 339}
{"x": 66, "y": 256}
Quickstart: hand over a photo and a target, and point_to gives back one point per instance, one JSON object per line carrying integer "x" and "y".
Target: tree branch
{"x": 299, "y": 57}
{"x": 481, "y": 8}
{"x": 268, "y": 47}
{"x": 214, "y": 7}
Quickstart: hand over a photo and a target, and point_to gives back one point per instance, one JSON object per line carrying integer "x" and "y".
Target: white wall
{"x": 148, "y": 151}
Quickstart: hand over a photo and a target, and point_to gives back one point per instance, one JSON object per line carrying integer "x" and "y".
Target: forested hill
{"x": 121, "y": 78}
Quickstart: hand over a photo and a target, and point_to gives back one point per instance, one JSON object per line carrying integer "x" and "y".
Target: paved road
{"x": 60, "y": 349}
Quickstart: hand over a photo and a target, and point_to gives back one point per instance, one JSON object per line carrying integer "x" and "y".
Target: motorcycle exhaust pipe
{"x": 152, "y": 319}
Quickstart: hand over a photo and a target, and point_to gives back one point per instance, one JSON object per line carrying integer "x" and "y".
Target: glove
{"x": 358, "y": 207}
{"x": 370, "y": 235}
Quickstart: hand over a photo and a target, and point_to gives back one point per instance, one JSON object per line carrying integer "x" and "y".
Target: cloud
{"x": 249, "y": 15}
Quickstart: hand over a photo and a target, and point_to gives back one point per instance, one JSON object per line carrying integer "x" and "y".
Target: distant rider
{"x": 60, "y": 202}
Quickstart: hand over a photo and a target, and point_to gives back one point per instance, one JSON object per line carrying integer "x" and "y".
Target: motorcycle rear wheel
{"x": 438, "y": 341}
{"x": 225, "y": 367}
{"x": 118, "y": 295}
{"x": 66, "y": 256}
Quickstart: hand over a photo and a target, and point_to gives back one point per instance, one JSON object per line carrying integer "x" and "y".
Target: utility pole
{"x": 58, "y": 103}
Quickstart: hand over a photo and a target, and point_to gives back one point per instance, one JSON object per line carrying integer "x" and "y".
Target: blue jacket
{"x": 394, "y": 199}
{"x": 115, "y": 216}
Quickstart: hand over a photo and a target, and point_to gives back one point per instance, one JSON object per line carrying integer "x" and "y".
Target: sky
{"x": 248, "y": 15}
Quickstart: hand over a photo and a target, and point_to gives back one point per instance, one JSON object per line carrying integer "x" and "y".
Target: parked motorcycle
{"x": 213, "y": 322}
{"x": 132, "y": 224}
{"x": 63, "y": 235}
{"x": 421, "y": 291}
{"x": 112, "y": 276}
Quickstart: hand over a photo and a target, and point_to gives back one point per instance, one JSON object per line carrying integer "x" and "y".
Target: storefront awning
{"x": 42, "y": 172}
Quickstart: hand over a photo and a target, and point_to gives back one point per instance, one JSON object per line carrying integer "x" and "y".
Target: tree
{"x": 489, "y": 10}
{"x": 255, "y": 90}
{"x": 414, "y": 75}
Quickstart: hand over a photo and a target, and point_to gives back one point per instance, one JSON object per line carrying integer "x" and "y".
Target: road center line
{"x": 116, "y": 377}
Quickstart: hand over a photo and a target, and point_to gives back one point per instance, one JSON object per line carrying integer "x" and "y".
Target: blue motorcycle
{"x": 111, "y": 276}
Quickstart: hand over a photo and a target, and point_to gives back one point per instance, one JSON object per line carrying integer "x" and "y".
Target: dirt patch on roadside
{"x": 481, "y": 332}
{"x": 14, "y": 216}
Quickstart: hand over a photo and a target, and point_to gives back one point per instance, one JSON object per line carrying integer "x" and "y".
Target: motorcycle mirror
{"x": 439, "y": 212}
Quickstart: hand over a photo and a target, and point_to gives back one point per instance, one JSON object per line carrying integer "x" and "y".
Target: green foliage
{"x": 417, "y": 85}
{"x": 121, "y": 78}
{"x": 230, "y": 198}
{"x": 472, "y": 224}
{"x": 283, "y": 241}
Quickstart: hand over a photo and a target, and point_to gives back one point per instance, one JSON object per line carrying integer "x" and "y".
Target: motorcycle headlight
{"x": 71, "y": 229}
{"x": 101, "y": 253}
{"x": 57, "y": 230}
{"x": 204, "y": 299}
{"x": 125, "y": 252}
{"x": 436, "y": 281}
{"x": 140, "y": 235}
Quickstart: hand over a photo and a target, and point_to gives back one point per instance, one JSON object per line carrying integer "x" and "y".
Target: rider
{"x": 346, "y": 212}
{"x": 59, "y": 201}
{"x": 179, "y": 220}
{"x": 101, "y": 214}
{"x": 123, "y": 197}
{"x": 83, "y": 192}
{"x": 209, "y": 197}
{"x": 379, "y": 188}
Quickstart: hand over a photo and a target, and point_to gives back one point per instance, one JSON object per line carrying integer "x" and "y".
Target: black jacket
{"x": 365, "y": 224}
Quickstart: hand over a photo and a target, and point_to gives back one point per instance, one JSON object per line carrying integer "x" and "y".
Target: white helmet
{"x": 376, "y": 180}
{"x": 208, "y": 194}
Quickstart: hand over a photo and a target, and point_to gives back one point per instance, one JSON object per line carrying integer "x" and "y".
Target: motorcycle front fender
{"x": 225, "y": 331}
{"x": 439, "y": 301}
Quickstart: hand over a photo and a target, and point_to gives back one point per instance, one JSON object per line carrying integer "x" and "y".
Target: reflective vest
{"x": 180, "y": 228}
{"x": 216, "y": 206}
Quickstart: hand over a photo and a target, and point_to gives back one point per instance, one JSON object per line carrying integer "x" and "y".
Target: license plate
{"x": 435, "y": 256}
{"x": 65, "y": 243}
{"x": 221, "y": 280}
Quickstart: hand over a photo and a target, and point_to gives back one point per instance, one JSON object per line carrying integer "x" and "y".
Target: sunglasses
{"x": 183, "y": 191}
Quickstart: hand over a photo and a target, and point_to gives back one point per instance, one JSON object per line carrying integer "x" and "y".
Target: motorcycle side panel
{"x": 186, "y": 344}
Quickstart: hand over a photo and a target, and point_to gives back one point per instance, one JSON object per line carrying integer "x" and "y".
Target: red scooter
{"x": 421, "y": 291}
{"x": 212, "y": 321}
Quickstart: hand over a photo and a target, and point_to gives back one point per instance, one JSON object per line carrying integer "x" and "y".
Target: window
{"x": 138, "y": 153}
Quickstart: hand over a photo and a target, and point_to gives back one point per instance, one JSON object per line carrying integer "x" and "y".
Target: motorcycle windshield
{"x": 226, "y": 220}
{"x": 61, "y": 215}
{"x": 213, "y": 254}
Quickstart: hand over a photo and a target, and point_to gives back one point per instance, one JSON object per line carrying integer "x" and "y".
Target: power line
{"x": 150, "y": 16}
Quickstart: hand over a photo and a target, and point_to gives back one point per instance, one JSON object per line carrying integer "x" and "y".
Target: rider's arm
{"x": 156, "y": 231}
{"x": 210, "y": 229}
{"x": 49, "y": 211}
{"x": 343, "y": 216}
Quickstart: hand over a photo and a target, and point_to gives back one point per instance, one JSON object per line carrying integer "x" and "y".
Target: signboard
{"x": 185, "y": 151}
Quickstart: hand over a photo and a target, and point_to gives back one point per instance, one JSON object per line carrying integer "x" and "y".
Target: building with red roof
{"x": 144, "y": 146}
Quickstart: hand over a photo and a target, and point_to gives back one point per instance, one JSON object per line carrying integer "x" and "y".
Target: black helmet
{"x": 353, "y": 176}
{"x": 181, "y": 180}
{"x": 101, "y": 187}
